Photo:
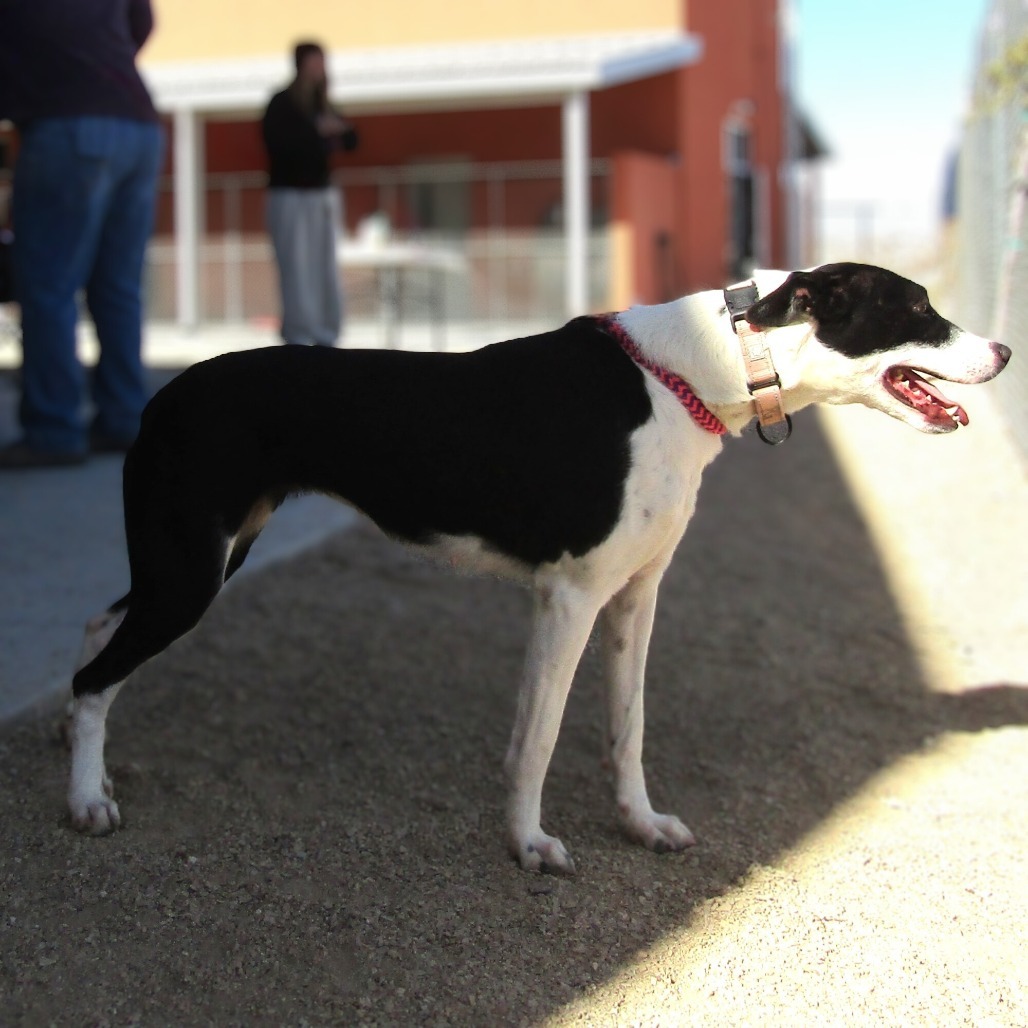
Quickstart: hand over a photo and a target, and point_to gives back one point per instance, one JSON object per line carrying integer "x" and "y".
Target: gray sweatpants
{"x": 304, "y": 225}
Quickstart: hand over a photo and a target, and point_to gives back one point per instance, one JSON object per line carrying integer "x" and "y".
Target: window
{"x": 741, "y": 199}
{"x": 440, "y": 196}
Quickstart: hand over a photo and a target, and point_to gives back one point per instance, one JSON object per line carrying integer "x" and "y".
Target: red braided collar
{"x": 678, "y": 385}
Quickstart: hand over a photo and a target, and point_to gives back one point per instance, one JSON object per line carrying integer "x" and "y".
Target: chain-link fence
{"x": 991, "y": 270}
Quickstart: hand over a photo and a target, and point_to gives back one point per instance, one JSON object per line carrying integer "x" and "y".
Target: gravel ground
{"x": 312, "y": 788}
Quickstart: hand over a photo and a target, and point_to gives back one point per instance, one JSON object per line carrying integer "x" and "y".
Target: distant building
{"x": 604, "y": 153}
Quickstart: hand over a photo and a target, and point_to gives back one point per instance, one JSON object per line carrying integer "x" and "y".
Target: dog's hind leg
{"x": 563, "y": 618}
{"x": 90, "y": 792}
{"x": 626, "y": 623}
{"x": 170, "y": 592}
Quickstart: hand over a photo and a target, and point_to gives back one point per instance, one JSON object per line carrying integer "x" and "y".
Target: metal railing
{"x": 501, "y": 219}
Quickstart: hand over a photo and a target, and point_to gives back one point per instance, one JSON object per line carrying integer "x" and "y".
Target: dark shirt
{"x": 68, "y": 58}
{"x": 298, "y": 155}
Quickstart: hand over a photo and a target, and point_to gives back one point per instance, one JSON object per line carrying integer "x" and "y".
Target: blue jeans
{"x": 83, "y": 209}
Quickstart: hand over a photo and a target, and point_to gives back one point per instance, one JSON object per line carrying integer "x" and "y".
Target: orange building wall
{"x": 640, "y": 116}
{"x": 677, "y": 119}
{"x": 636, "y": 116}
{"x": 740, "y": 63}
{"x": 643, "y": 216}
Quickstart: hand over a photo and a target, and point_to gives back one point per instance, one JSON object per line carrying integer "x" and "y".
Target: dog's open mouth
{"x": 924, "y": 397}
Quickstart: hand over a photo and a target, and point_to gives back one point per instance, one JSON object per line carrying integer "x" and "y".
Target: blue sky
{"x": 886, "y": 85}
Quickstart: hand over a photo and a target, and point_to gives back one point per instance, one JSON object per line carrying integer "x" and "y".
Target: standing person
{"x": 303, "y": 211}
{"x": 85, "y": 186}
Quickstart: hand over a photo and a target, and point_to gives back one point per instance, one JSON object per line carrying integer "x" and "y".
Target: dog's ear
{"x": 792, "y": 302}
{"x": 826, "y": 295}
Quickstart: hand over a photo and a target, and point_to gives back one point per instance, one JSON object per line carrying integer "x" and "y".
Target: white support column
{"x": 575, "y": 131}
{"x": 189, "y": 184}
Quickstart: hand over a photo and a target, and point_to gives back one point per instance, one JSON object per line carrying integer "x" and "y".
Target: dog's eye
{"x": 921, "y": 307}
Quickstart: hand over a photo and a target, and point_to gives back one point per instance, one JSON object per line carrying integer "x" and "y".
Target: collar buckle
{"x": 739, "y": 299}
{"x": 774, "y": 426}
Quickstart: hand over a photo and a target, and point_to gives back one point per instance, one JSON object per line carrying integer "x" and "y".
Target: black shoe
{"x": 21, "y": 456}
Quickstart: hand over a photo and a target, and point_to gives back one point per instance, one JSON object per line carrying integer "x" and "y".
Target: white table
{"x": 391, "y": 260}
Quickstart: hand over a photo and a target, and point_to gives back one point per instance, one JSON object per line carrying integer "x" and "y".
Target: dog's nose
{"x": 1002, "y": 353}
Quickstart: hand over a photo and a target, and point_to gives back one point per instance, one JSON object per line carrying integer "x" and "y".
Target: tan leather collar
{"x": 774, "y": 426}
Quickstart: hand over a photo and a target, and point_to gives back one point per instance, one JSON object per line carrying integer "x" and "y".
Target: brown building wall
{"x": 643, "y": 215}
{"x": 739, "y": 70}
{"x": 676, "y": 119}
{"x": 636, "y": 116}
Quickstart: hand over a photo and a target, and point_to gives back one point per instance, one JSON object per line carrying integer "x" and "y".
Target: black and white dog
{"x": 569, "y": 460}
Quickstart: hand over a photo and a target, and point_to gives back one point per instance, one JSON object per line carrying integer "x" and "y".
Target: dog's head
{"x": 877, "y": 340}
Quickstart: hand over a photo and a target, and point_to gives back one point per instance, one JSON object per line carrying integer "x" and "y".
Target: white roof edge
{"x": 644, "y": 64}
{"x": 455, "y": 73}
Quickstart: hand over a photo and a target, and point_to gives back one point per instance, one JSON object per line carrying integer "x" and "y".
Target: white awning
{"x": 561, "y": 71}
{"x": 462, "y": 74}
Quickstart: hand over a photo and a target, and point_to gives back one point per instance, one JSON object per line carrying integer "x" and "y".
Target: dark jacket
{"x": 298, "y": 155}
{"x": 69, "y": 58}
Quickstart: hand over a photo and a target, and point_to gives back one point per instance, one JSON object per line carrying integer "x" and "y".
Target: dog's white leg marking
{"x": 90, "y": 792}
{"x": 98, "y": 634}
{"x": 562, "y": 621}
{"x": 627, "y": 622}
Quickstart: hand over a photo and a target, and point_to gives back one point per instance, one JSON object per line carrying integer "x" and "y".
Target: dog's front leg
{"x": 563, "y": 618}
{"x": 627, "y": 622}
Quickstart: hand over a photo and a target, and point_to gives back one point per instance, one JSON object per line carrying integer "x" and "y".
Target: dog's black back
{"x": 523, "y": 445}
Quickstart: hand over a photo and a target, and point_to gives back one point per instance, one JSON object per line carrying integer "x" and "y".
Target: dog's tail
{"x": 179, "y": 561}
{"x": 139, "y": 626}
{"x": 101, "y": 664}
{"x": 179, "y": 555}
{"x": 188, "y": 527}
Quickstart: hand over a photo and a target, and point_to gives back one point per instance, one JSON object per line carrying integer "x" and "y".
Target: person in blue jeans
{"x": 85, "y": 182}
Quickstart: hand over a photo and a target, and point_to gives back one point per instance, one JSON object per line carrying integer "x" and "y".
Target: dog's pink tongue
{"x": 955, "y": 409}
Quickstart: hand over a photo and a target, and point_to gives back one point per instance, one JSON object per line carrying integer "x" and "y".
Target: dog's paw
{"x": 544, "y": 853}
{"x": 95, "y": 815}
{"x": 662, "y": 833}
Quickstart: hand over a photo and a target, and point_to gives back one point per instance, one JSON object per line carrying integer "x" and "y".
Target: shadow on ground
{"x": 313, "y": 793}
